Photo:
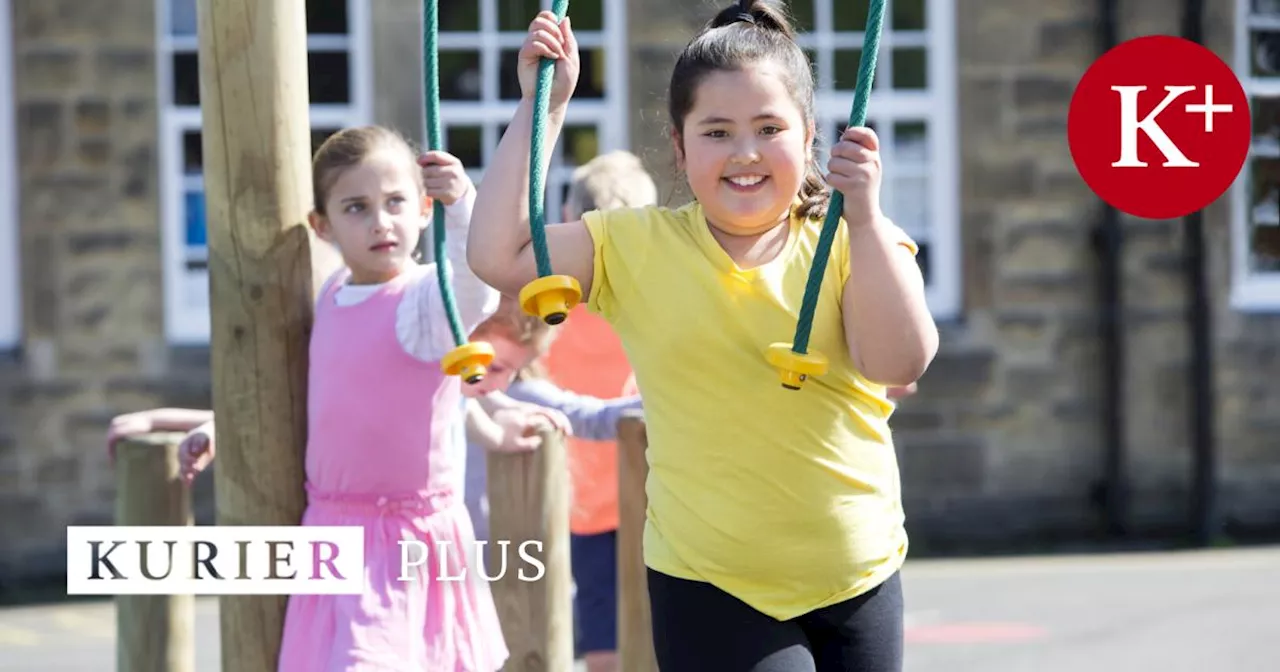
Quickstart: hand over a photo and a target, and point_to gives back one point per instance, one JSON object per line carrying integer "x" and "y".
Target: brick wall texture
{"x": 1005, "y": 441}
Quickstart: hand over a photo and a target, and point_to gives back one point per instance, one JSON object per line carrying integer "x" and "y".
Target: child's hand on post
{"x": 444, "y": 177}
{"x": 127, "y": 426}
{"x": 195, "y": 453}
{"x": 555, "y": 41}
{"x": 856, "y": 173}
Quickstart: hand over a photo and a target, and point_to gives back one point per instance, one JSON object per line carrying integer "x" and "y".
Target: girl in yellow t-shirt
{"x": 775, "y": 531}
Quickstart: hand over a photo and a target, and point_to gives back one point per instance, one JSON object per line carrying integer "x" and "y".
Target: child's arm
{"x": 499, "y": 243}
{"x": 446, "y": 179}
{"x": 889, "y": 331}
{"x": 592, "y": 418}
{"x": 130, "y": 425}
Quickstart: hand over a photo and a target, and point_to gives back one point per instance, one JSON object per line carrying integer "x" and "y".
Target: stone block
{"x": 965, "y": 375}
{"x": 941, "y": 464}
{"x": 41, "y": 135}
{"x": 45, "y": 71}
{"x": 122, "y": 71}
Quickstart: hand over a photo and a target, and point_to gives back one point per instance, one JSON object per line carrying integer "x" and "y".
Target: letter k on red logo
{"x": 1159, "y": 127}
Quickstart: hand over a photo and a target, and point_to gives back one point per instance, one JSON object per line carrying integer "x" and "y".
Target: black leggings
{"x": 698, "y": 627}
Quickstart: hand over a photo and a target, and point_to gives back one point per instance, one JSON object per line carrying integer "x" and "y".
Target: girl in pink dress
{"x": 381, "y": 450}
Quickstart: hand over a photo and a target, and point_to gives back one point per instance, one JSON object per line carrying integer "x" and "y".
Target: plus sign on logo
{"x": 1159, "y": 127}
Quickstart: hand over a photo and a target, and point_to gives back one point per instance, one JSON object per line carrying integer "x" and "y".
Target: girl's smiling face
{"x": 744, "y": 146}
{"x": 509, "y": 358}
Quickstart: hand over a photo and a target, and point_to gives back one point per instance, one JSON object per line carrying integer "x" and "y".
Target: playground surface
{"x": 1166, "y": 612}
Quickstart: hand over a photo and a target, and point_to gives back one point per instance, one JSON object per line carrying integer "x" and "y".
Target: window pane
{"x": 591, "y": 78}
{"x": 319, "y": 135}
{"x": 330, "y": 77}
{"x": 182, "y": 17}
{"x": 802, "y": 14}
{"x": 910, "y": 206}
{"x": 910, "y": 141}
{"x": 461, "y": 15}
{"x": 587, "y": 15}
{"x": 1265, "y": 52}
{"x": 509, "y": 80}
{"x": 515, "y": 15}
{"x": 1264, "y": 209}
{"x": 922, "y": 260}
{"x": 186, "y": 79}
{"x": 192, "y": 153}
{"x": 327, "y": 17}
{"x": 910, "y": 68}
{"x": 581, "y": 144}
{"x": 850, "y": 15}
{"x": 195, "y": 233}
{"x": 908, "y": 15}
{"x": 459, "y": 75}
{"x": 846, "y": 63}
{"x": 465, "y": 142}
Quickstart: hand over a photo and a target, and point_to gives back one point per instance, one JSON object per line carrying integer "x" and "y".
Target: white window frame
{"x": 936, "y": 106}
{"x": 10, "y": 275}
{"x": 609, "y": 114}
{"x": 1251, "y": 291}
{"x": 187, "y": 310}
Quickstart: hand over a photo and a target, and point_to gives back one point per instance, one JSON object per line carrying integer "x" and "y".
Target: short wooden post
{"x": 154, "y": 633}
{"x": 257, "y": 176}
{"x": 635, "y": 636}
{"x": 529, "y": 502}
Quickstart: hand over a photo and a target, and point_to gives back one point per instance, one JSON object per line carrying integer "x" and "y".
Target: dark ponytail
{"x": 750, "y": 31}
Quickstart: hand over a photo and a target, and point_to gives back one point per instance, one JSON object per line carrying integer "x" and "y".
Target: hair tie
{"x": 747, "y": 17}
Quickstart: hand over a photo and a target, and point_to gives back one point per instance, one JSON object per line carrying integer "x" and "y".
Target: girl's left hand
{"x": 856, "y": 173}
{"x": 444, "y": 177}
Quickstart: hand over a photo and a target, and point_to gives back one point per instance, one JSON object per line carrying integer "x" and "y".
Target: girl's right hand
{"x": 555, "y": 41}
{"x": 195, "y": 453}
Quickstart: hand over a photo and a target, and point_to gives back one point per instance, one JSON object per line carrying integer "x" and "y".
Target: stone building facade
{"x": 1006, "y": 440}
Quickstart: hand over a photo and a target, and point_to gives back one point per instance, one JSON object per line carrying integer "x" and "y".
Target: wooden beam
{"x": 257, "y": 174}
{"x": 635, "y": 634}
{"x": 154, "y": 633}
{"x": 529, "y": 501}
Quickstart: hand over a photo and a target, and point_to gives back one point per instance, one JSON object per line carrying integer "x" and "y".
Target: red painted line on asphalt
{"x": 973, "y": 633}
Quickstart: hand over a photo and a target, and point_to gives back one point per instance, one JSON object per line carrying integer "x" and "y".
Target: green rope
{"x": 857, "y": 117}
{"x": 430, "y": 33}
{"x": 537, "y": 149}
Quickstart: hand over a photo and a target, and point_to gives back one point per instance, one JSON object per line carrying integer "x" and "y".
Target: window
{"x": 1255, "y": 200}
{"x": 912, "y": 109}
{"x": 479, "y": 91}
{"x": 339, "y": 77}
{"x": 10, "y": 290}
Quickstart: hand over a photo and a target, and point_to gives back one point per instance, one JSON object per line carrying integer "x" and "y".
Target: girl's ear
{"x": 810, "y": 133}
{"x": 320, "y": 224}
{"x": 677, "y": 144}
{"x": 427, "y": 204}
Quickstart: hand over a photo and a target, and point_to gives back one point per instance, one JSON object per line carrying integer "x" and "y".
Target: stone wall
{"x": 1005, "y": 442}
{"x": 91, "y": 272}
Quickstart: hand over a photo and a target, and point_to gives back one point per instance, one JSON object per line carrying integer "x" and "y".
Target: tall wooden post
{"x": 529, "y": 501}
{"x": 254, "y": 98}
{"x": 635, "y": 634}
{"x": 154, "y": 633}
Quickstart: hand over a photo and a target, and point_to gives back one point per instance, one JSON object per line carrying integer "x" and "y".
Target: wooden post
{"x": 257, "y": 176}
{"x": 529, "y": 501}
{"x": 635, "y": 636}
{"x": 154, "y": 633}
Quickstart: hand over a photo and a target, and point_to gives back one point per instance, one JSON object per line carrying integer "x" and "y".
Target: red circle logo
{"x": 1159, "y": 127}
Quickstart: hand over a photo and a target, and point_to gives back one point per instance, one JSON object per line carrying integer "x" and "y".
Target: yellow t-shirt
{"x": 788, "y": 500}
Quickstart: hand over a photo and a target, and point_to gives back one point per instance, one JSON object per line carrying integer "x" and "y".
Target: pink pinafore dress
{"x": 380, "y": 424}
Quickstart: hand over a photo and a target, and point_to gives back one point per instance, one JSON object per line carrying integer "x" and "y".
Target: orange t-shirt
{"x": 587, "y": 358}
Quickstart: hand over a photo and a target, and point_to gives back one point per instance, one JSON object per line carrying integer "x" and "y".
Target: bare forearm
{"x": 179, "y": 419}
{"x": 891, "y": 334}
{"x": 499, "y": 235}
